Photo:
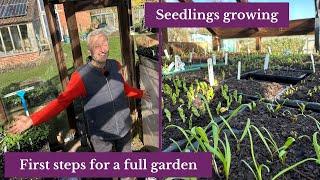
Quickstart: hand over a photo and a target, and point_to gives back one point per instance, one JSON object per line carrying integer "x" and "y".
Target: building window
{"x": 108, "y": 19}
{"x": 14, "y": 39}
{"x": 6, "y": 39}
{"x": 25, "y": 38}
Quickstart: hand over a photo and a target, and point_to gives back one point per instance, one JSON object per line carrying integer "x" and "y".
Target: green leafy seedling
{"x": 168, "y": 114}
{"x": 181, "y": 114}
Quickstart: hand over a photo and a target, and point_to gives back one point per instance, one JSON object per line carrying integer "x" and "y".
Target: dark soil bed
{"x": 268, "y": 90}
{"x": 281, "y": 125}
{"x": 306, "y": 90}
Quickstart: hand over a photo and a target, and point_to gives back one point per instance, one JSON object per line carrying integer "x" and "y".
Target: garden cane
{"x": 21, "y": 94}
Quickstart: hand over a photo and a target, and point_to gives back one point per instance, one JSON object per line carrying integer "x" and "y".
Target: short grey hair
{"x": 94, "y": 33}
{"x": 107, "y": 31}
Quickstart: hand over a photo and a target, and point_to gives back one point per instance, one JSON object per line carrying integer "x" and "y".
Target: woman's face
{"x": 99, "y": 48}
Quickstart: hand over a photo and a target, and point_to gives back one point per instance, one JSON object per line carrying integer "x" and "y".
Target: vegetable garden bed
{"x": 277, "y": 142}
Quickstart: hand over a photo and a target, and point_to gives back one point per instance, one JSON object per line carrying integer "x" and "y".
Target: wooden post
{"x": 258, "y": 44}
{"x": 73, "y": 33}
{"x": 126, "y": 41}
{"x": 58, "y": 52}
{"x": 127, "y": 47}
{"x": 316, "y": 26}
{"x": 165, "y": 39}
{"x": 3, "y": 115}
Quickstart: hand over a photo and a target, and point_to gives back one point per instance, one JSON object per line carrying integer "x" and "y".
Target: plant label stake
{"x": 248, "y": 50}
{"x": 313, "y": 65}
{"x": 239, "y": 70}
{"x": 30, "y": 141}
{"x": 178, "y": 64}
{"x": 153, "y": 53}
{"x": 5, "y": 149}
{"x": 166, "y": 54}
{"x": 190, "y": 55}
{"x": 226, "y": 58}
{"x": 18, "y": 145}
{"x": 214, "y": 59}
{"x": 170, "y": 66}
{"x": 266, "y": 62}
{"x": 21, "y": 94}
{"x": 269, "y": 50}
{"x": 210, "y": 72}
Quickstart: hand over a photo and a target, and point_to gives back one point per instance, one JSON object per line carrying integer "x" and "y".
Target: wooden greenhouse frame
{"x": 70, "y": 8}
{"x": 296, "y": 27}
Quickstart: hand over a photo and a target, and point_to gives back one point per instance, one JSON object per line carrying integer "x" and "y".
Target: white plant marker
{"x": 30, "y": 141}
{"x": 248, "y": 50}
{"x": 170, "y": 66}
{"x": 226, "y": 58}
{"x": 153, "y": 53}
{"x": 266, "y": 62}
{"x": 239, "y": 70}
{"x": 176, "y": 63}
{"x": 18, "y": 145}
{"x": 214, "y": 59}
{"x": 190, "y": 55}
{"x": 166, "y": 54}
{"x": 269, "y": 50}
{"x": 210, "y": 72}
{"x": 313, "y": 65}
{"x": 5, "y": 149}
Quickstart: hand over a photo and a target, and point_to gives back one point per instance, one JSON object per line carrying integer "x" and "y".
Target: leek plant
{"x": 258, "y": 167}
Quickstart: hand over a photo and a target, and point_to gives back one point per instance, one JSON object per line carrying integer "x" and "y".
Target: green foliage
{"x": 283, "y": 150}
{"x": 167, "y": 90}
{"x": 30, "y": 139}
{"x": 195, "y": 111}
{"x": 258, "y": 167}
{"x": 174, "y": 99}
{"x": 168, "y": 114}
{"x": 316, "y": 146}
{"x": 302, "y": 107}
{"x": 42, "y": 93}
{"x": 223, "y": 155}
{"x": 181, "y": 114}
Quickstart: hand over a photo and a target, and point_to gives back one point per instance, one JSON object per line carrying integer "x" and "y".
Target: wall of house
{"x": 83, "y": 19}
{"x": 9, "y": 63}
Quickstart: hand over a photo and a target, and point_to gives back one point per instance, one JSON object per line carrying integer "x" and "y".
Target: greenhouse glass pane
{"x": 6, "y": 39}
{"x": 16, "y": 38}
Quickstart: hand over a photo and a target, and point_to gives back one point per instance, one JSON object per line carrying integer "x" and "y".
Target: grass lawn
{"x": 48, "y": 69}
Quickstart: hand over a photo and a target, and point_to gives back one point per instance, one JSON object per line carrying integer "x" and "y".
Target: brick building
{"x": 23, "y": 34}
{"x": 87, "y": 20}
